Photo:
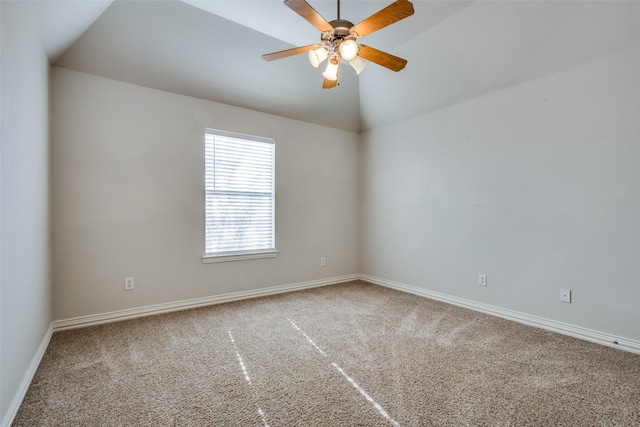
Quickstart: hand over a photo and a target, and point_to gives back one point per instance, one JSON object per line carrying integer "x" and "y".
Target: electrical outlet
{"x": 565, "y": 295}
{"x": 482, "y": 279}
{"x": 128, "y": 284}
{"x": 323, "y": 262}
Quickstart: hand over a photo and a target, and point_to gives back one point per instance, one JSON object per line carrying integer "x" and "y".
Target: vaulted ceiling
{"x": 456, "y": 50}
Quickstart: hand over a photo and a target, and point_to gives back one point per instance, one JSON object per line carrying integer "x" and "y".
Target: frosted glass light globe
{"x": 348, "y": 49}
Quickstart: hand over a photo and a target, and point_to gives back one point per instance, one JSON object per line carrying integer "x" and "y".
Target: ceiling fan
{"x": 338, "y": 40}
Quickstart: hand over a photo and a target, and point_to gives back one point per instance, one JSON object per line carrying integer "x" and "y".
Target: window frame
{"x": 243, "y": 254}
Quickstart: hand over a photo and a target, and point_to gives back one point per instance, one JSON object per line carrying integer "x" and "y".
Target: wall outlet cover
{"x": 482, "y": 279}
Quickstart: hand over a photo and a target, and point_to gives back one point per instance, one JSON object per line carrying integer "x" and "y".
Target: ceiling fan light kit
{"x": 318, "y": 55}
{"x": 358, "y": 64}
{"x": 338, "y": 40}
{"x": 348, "y": 49}
{"x": 331, "y": 73}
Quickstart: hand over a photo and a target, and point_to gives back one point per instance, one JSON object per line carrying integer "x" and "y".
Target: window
{"x": 240, "y": 199}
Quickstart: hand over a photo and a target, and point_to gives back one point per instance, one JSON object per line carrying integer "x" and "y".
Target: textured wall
{"x": 537, "y": 186}
{"x": 128, "y": 197}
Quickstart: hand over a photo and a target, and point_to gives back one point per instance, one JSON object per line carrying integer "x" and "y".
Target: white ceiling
{"x": 273, "y": 18}
{"x": 62, "y": 22}
{"x": 456, "y": 50}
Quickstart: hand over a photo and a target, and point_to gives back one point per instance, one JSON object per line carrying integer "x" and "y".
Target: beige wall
{"x": 25, "y": 291}
{"x": 538, "y": 186}
{"x": 128, "y": 197}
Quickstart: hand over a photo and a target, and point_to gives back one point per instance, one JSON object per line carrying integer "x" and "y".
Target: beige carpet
{"x": 346, "y": 355}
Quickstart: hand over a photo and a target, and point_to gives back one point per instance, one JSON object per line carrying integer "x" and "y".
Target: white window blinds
{"x": 239, "y": 186}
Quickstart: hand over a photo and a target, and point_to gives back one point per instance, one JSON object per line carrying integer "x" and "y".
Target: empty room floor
{"x": 350, "y": 354}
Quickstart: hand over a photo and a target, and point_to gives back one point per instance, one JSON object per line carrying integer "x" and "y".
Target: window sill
{"x": 239, "y": 256}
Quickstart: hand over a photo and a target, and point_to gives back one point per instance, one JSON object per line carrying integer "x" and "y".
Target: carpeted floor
{"x": 353, "y": 354}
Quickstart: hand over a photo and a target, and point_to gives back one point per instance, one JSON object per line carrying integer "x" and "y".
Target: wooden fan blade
{"x": 382, "y": 58}
{"x": 305, "y": 10}
{"x": 289, "y": 52}
{"x": 328, "y": 84}
{"x": 387, "y": 16}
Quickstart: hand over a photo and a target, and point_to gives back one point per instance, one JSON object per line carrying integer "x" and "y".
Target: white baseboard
{"x": 96, "y": 319}
{"x": 608, "y": 340}
{"x": 12, "y": 411}
{"x": 114, "y": 316}
{"x": 527, "y": 319}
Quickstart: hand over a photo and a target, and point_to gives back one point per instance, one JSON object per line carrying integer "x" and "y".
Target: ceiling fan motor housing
{"x": 341, "y": 27}
{"x": 341, "y": 31}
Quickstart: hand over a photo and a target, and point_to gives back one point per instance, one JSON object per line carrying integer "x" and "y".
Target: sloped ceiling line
{"x": 456, "y": 50}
